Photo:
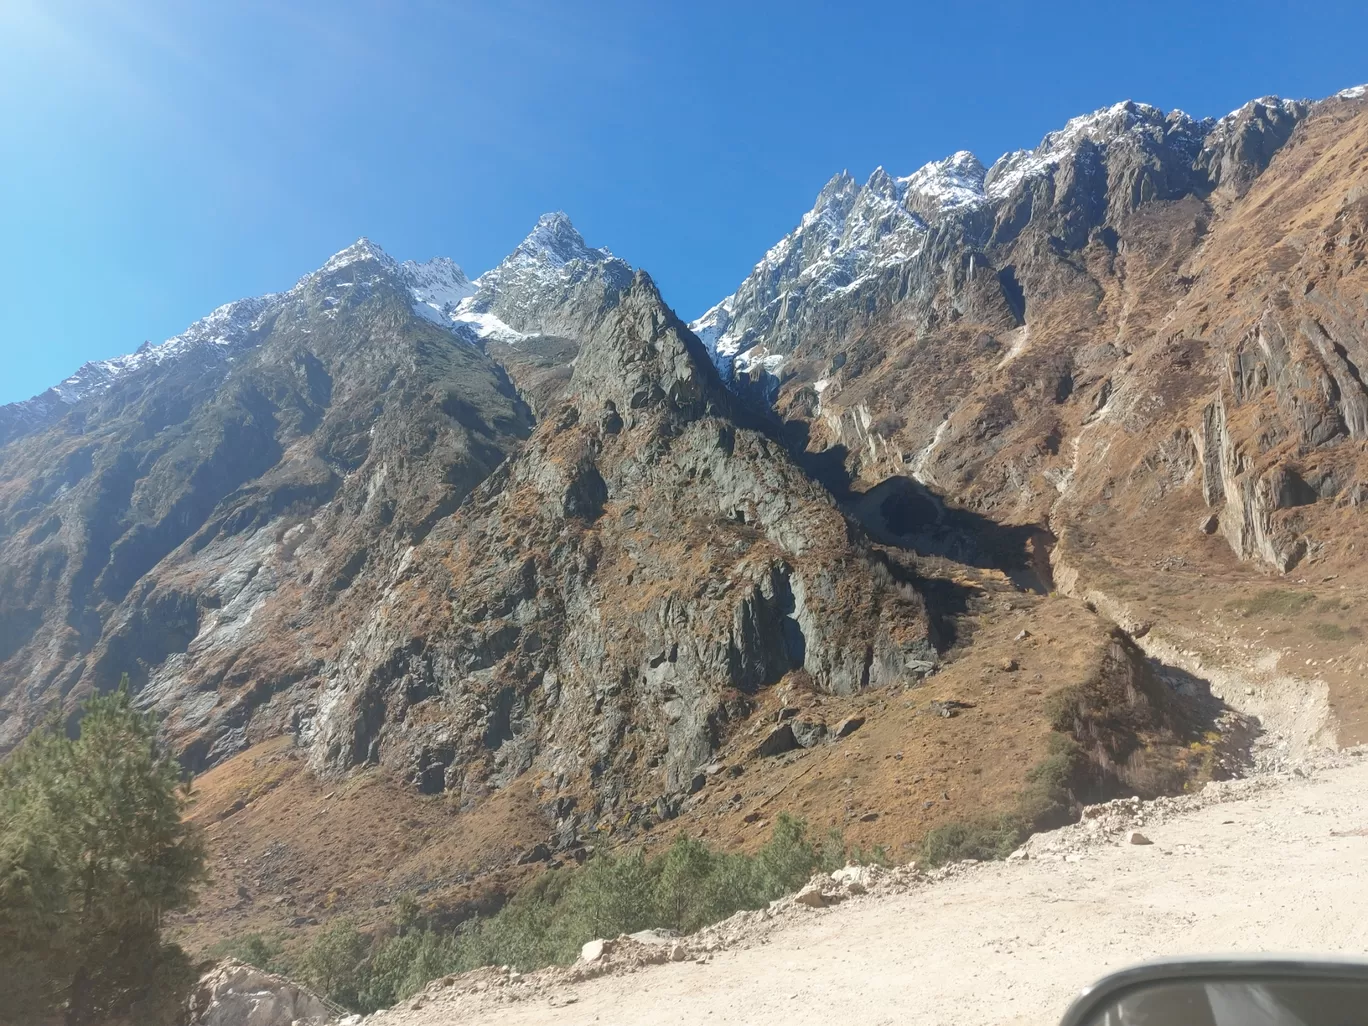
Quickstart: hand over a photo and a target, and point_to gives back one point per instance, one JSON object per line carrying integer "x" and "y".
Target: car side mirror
{"x": 1227, "y": 992}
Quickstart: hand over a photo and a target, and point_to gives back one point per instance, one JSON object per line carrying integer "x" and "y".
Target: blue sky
{"x": 160, "y": 158}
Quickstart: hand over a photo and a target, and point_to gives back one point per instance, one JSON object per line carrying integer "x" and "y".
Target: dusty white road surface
{"x": 1267, "y": 865}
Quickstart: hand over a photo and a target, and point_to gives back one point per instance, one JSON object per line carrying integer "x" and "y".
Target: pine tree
{"x": 94, "y": 852}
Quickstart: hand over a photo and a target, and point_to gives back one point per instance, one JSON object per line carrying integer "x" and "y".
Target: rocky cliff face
{"x": 199, "y": 514}
{"x": 346, "y": 526}
{"x": 530, "y": 538}
{"x": 610, "y": 603}
{"x": 1144, "y": 311}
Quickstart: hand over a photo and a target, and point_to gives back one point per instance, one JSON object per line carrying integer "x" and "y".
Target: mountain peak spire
{"x": 361, "y": 249}
{"x": 555, "y": 242}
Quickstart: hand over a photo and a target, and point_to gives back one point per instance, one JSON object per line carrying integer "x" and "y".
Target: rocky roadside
{"x": 1120, "y": 823}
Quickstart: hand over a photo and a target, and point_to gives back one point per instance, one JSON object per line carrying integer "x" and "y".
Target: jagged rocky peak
{"x": 644, "y": 356}
{"x": 1099, "y": 130}
{"x": 860, "y": 244}
{"x": 553, "y": 250}
{"x": 359, "y": 251}
{"x": 437, "y": 287}
{"x": 1240, "y": 145}
{"x": 945, "y": 185}
{"x": 527, "y": 293}
{"x": 224, "y": 332}
{"x": 851, "y": 233}
{"x": 555, "y": 242}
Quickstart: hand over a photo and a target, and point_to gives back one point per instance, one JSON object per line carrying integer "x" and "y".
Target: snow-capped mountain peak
{"x": 438, "y": 286}
{"x": 360, "y": 250}
{"x": 551, "y": 257}
{"x": 1100, "y": 128}
{"x": 943, "y": 185}
{"x": 554, "y": 242}
{"x": 854, "y": 234}
{"x": 507, "y": 302}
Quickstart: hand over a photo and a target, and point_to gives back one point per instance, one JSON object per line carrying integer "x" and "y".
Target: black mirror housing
{"x": 1235, "y": 991}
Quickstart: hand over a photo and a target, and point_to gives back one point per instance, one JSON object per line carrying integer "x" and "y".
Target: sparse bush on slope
{"x": 684, "y": 888}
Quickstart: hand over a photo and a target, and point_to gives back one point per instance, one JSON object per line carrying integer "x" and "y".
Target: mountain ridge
{"x": 441, "y": 293}
{"x": 523, "y": 547}
{"x": 857, "y": 246}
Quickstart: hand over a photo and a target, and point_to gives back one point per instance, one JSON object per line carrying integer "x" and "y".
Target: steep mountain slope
{"x": 243, "y": 519}
{"x": 1144, "y": 313}
{"x": 490, "y": 569}
{"x": 617, "y": 594}
{"x": 199, "y": 510}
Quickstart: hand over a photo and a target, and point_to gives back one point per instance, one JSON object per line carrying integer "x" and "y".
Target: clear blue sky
{"x": 158, "y": 158}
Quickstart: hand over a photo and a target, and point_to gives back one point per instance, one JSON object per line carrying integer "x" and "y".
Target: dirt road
{"x": 1269, "y": 866}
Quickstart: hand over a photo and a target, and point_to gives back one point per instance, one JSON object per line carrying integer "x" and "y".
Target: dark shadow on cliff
{"x": 1238, "y": 731}
{"x": 904, "y": 513}
{"x": 948, "y": 602}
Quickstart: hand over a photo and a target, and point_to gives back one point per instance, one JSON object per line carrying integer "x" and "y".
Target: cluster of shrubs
{"x": 1043, "y": 804}
{"x": 688, "y": 886}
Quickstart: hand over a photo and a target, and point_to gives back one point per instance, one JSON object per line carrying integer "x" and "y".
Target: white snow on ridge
{"x": 225, "y": 328}
{"x": 486, "y": 325}
{"x": 539, "y": 271}
{"x": 438, "y": 287}
{"x": 1353, "y": 92}
{"x": 441, "y": 293}
{"x": 855, "y": 234}
{"x": 360, "y": 250}
{"x": 1101, "y": 126}
{"x": 956, "y": 181}
{"x": 711, "y": 327}
{"x": 553, "y": 243}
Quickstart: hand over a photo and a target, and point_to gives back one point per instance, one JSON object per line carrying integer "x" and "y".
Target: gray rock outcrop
{"x": 236, "y": 994}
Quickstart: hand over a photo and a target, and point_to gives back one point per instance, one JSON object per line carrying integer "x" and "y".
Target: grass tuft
{"x": 1273, "y": 602}
{"x": 686, "y": 887}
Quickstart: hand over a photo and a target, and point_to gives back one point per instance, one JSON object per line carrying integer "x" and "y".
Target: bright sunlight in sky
{"x": 158, "y": 158}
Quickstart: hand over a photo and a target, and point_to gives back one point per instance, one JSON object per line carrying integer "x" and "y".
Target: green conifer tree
{"x": 94, "y": 851}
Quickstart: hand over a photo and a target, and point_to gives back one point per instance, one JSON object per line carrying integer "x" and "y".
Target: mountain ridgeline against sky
{"x": 860, "y": 239}
{"x": 533, "y": 527}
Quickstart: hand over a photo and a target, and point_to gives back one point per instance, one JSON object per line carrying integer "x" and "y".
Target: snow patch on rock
{"x": 441, "y": 293}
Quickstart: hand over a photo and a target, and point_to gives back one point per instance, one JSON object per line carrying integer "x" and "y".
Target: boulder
{"x": 596, "y": 949}
{"x": 778, "y": 741}
{"x": 808, "y": 732}
{"x": 537, "y": 853}
{"x": 858, "y": 879}
{"x": 813, "y": 896}
{"x": 236, "y": 994}
{"x": 1136, "y": 837}
{"x": 848, "y": 726}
